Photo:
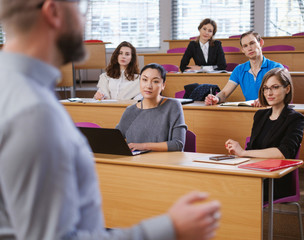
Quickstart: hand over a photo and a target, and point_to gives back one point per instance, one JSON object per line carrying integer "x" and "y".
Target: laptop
{"x": 108, "y": 141}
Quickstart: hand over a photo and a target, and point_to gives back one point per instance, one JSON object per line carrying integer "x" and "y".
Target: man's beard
{"x": 71, "y": 47}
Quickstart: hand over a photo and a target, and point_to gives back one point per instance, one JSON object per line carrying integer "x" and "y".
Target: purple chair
{"x": 298, "y": 34}
{"x": 285, "y": 66}
{"x": 193, "y": 38}
{"x": 295, "y": 197}
{"x": 190, "y": 143}
{"x": 177, "y": 50}
{"x": 231, "y": 66}
{"x": 170, "y": 67}
{"x": 279, "y": 48}
{"x": 87, "y": 124}
{"x": 231, "y": 49}
{"x": 180, "y": 94}
{"x": 235, "y": 36}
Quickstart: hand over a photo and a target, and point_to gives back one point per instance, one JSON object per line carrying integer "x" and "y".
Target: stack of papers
{"x": 89, "y": 100}
{"x": 240, "y": 104}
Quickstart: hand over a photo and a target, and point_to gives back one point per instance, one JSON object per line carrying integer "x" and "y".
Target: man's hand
{"x": 211, "y": 100}
{"x": 194, "y": 220}
{"x": 256, "y": 103}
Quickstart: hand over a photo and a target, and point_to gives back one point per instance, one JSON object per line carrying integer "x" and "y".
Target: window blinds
{"x": 233, "y": 17}
{"x": 115, "y": 21}
{"x": 284, "y": 17}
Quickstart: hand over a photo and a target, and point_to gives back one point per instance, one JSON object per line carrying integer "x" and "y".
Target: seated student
{"x": 121, "y": 80}
{"x": 248, "y": 75}
{"x": 155, "y": 123}
{"x": 277, "y": 131}
{"x": 207, "y": 53}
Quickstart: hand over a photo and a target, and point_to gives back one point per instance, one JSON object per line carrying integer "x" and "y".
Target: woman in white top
{"x": 121, "y": 79}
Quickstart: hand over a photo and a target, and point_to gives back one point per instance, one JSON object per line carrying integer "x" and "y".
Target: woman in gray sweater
{"x": 155, "y": 123}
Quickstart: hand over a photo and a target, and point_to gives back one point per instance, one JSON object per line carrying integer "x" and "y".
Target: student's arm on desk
{"x": 235, "y": 148}
{"x": 153, "y": 146}
{"x": 222, "y": 95}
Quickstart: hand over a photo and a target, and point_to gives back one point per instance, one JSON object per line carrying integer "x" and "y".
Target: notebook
{"x": 108, "y": 141}
{"x": 270, "y": 165}
{"x": 234, "y": 161}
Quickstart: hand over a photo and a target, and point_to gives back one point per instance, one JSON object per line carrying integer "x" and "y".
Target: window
{"x": 284, "y": 17}
{"x": 115, "y": 21}
{"x": 233, "y": 17}
{"x": 1, "y": 35}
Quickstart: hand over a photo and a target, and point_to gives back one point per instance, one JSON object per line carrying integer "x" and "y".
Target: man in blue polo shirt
{"x": 248, "y": 75}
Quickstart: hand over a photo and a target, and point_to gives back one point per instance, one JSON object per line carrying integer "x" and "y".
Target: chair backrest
{"x": 177, "y": 50}
{"x": 87, "y": 124}
{"x": 231, "y": 66}
{"x": 295, "y": 186}
{"x": 235, "y": 36}
{"x": 285, "y": 66}
{"x": 298, "y": 34}
{"x": 231, "y": 49}
{"x": 170, "y": 67}
{"x": 180, "y": 94}
{"x": 66, "y": 76}
{"x": 93, "y": 41}
{"x": 279, "y": 48}
{"x": 190, "y": 143}
{"x": 96, "y": 55}
{"x": 193, "y": 38}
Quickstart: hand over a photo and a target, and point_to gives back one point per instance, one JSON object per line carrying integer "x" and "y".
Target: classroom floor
{"x": 285, "y": 217}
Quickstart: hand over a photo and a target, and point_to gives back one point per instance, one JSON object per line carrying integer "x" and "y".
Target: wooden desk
{"x": 296, "y": 41}
{"x": 175, "y": 82}
{"x": 135, "y": 188}
{"x": 213, "y": 125}
{"x": 293, "y": 59}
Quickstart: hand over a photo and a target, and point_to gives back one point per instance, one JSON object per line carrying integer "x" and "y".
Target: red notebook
{"x": 270, "y": 164}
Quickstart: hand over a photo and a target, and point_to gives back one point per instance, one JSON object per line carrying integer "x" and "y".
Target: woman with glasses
{"x": 277, "y": 130}
{"x": 121, "y": 79}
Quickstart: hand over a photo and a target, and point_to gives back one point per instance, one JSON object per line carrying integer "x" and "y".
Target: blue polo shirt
{"x": 250, "y": 86}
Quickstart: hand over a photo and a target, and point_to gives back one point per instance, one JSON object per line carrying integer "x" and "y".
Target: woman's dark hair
{"x": 158, "y": 67}
{"x": 205, "y": 22}
{"x": 283, "y": 77}
{"x": 113, "y": 69}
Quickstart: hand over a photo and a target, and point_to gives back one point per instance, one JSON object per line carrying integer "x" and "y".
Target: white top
{"x": 205, "y": 49}
{"x": 119, "y": 88}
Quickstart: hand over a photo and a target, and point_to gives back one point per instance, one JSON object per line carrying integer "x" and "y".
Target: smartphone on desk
{"x": 222, "y": 157}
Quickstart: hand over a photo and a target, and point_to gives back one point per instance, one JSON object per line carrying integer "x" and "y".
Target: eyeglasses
{"x": 273, "y": 88}
{"x": 82, "y": 5}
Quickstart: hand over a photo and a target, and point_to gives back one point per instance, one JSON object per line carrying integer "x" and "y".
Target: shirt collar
{"x": 202, "y": 44}
{"x": 247, "y": 64}
{"x": 37, "y": 70}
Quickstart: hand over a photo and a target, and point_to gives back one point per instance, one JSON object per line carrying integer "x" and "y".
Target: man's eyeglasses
{"x": 82, "y": 5}
{"x": 273, "y": 88}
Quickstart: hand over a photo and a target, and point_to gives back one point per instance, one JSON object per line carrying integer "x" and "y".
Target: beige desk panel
{"x": 127, "y": 201}
{"x": 296, "y": 41}
{"x": 293, "y": 59}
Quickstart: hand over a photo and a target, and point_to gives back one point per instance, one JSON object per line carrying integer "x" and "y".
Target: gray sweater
{"x": 164, "y": 123}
